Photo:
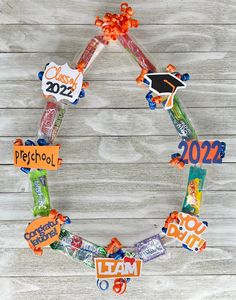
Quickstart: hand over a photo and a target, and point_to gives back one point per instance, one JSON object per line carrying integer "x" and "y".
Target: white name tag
{"x": 62, "y": 82}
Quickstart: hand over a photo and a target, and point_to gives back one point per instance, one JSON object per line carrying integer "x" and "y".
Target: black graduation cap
{"x": 165, "y": 84}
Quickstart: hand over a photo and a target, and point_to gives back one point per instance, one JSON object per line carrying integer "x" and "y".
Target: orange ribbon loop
{"x": 114, "y": 25}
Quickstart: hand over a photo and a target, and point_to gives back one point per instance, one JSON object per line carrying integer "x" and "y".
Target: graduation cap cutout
{"x": 165, "y": 84}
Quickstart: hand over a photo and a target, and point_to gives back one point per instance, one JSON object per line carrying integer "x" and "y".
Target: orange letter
{"x": 173, "y": 230}
{"x": 54, "y": 73}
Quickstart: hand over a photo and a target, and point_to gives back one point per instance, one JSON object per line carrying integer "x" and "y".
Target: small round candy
{"x": 75, "y": 102}
{"x": 42, "y": 142}
{"x": 180, "y": 165}
{"x": 178, "y": 75}
{"x": 121, "y": 252}
{"x": 82, "y": 94}
{"x": 119, "y": 286}
{"x": 102, "y": 251}
{"x": 174, "y": 214}
{"x": 164, "y": 229}
{"x": 174, "y": 155}
{"x": 25, "y": 170}
{"x": 174, "y": 161}
{"x": 152, "y": 105}
{"x": 186, "y": 247}
{"x": 223, "y": 148}
{"x": 222, "y": 155}
{"x": 170, "y": 68}
{"x": 68, "y": 221}
{"x": 18, "y": 142}
{"x": 157, "y": 99}
{"x": 148, "y": 96}
{"x": 223, "y": 145}
{"x": 101, "y": 283}
{"x": 118, "y": 255}
{"x": 98, "y": 22}
{"x": 85, "y": 85}
{"x": 29, "y": 143}
{"x": 76, "y": 242}
{"x": 38, "y": 251}
{"x": 185, "y": 77}
{"x": 129, "y": 254}
{"x": 40, "y": 75}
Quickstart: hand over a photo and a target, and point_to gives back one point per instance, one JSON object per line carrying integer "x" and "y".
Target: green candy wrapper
{"x": 181, "y": 121}
{"x": 193, "y": 197}
{"x": 40, "y": 192}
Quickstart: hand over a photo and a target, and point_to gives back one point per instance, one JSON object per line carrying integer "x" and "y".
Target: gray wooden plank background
{"x": 115, "y": 180}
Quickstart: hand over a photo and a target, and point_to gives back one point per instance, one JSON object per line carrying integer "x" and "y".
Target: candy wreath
{"x": 115, "y": 27}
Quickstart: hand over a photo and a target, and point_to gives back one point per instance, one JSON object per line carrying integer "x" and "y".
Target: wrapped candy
{"x": 90, "y": 53}
{"x": 54, "y": 111}
{"x": 78, "y": 248}
{"x": 150, "y": 248}
{"x": 40, "y": 192}
{"x": 178, "y": 117}
{"x": 116, "y": 27}
{"x": 136, "y": 52}
{"x": 181, "y": 121}
{"x": 51, "y": 120}
{"x": 193, "y": 197}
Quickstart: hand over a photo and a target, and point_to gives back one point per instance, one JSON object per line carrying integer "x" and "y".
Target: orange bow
{"x": 114, "y": 25}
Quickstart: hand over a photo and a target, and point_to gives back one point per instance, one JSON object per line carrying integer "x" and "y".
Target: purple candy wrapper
{"x": 150, "y": 248}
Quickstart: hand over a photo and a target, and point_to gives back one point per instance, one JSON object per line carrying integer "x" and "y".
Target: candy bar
{"x": 181, "y": 121}
{"x": 193, "y": 197}
{"x": 51, "y": 120}
{"x": 150, "y": 248}
{"x": 40, "y": 192}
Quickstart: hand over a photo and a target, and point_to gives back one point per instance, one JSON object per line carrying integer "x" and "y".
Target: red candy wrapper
{"x": 92, "y": 50}
{"x": 51, "y": 120}
{"x": 137, "y": 53}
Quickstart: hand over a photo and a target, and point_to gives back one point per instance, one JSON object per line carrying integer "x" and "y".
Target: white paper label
{"x": 62, "y": 82}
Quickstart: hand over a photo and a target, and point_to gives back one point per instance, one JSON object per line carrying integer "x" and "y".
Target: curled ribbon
{"x": 119, "y": 286}
{"x": 114, "y": 25}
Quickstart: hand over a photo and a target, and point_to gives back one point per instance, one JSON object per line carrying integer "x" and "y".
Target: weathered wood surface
{"x": 212, "y": 261}
{"x": 120, "y": 94}
{"x": 119, "y": 122}
{"x": 125, "y": 204}
{"x": 119, "y": 177}
{"x": 209, "y": 65}
{"x": 115, "y": 180}
{"x": 150, "y": 12}
{"x": 147, "y": 287}
{"x": 155, "y": 38}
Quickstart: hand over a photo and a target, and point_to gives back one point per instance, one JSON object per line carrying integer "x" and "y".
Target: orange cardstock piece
{"x": 37, "y": 157}
{"x": 211, "y": 155}
{"x": 188, "y": 231}
{"x": 112, "y": 268}
{"x": 44, "y": 231}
